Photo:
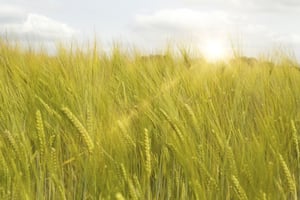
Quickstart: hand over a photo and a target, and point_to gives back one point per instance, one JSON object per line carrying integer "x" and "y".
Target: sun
{"x": 214, "y": 50}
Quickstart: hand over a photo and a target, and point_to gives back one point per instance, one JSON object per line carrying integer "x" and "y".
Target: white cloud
{"x": 16, "y": 23}
{"x": 293, "y": 39}
{"x": 42, "y": 27}
{"x": 250, "y": 5}
{"x": 198, "y": 27}
{"x": 11, "y": 14}
{"x": 183, "y": 19}
{"x": 182, "y": 24}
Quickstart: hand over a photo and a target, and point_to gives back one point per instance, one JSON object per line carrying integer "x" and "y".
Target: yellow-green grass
{"x": 89, "y": 125}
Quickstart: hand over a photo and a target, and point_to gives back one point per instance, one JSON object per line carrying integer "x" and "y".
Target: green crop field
{"x": 92, "y": 125}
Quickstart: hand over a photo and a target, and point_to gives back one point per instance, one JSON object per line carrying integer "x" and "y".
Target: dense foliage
{"x": 88, "y": 125}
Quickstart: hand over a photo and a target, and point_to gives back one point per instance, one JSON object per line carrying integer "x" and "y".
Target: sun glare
{"x": 214, "y": 50}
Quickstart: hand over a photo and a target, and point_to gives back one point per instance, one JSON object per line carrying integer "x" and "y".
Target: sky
{"x": 254, "y": 26}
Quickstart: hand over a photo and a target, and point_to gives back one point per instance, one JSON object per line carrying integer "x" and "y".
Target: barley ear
{"x": 287, "y": 174}
{"x": 40, "y": 133}
{"x": 4, "y": 169}
{"x": 48, "y": 108}
{"x": 80, "y": 128}
{"x": 132, "y": 190}
{"x": 147, "y": 150}
{"x": 295, "y": 140}
{"x": 12, "y": 142}
{"x": 53, "y": 161}
{"x": 129, "y": 141}
{"x": 123, "y": 172}
{"x": 192, "y": 115}
{"x": 231, "y": 160}
{"x": 172, "y": 124}
{"x": 89, "y": 119}
{"x": 238, "y": 188}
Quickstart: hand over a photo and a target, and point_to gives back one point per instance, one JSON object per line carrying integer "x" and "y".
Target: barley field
{"x": 85, "y": 124}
